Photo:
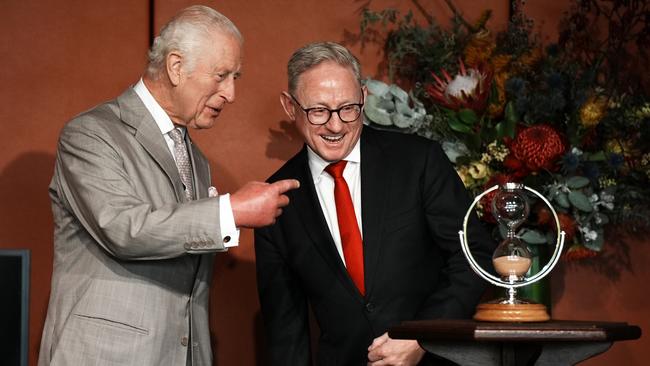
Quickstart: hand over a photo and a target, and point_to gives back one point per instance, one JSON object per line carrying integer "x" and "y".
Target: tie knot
{"x": 176, "y": 135}
{"x": 336, "y": 169}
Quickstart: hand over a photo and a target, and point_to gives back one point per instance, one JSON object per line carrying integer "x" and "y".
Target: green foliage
{"x": 584, "y": 100}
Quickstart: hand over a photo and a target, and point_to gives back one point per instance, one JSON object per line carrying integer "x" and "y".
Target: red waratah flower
{"x": 468, "y": 89}
{"x": 537, "y": 147}
{"x": 544, "y": 216}
{"x": 568, "y": 224}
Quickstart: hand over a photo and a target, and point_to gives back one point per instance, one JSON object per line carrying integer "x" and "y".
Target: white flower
{"x": 590, "y": 235}
{"x": 576, "y": 151}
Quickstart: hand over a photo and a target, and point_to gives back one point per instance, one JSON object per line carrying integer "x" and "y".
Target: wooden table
{"x": 552, "y": 343}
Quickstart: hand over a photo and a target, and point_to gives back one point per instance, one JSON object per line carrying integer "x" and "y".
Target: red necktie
{"x": 348, "y": 227}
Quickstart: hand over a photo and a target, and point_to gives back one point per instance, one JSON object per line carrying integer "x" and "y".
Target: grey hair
{"x": 186, "y": 33}
{"x": 316, "y": 53}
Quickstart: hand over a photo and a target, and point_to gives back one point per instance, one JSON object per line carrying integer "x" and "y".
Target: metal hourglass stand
{"x": 511, "y": 259}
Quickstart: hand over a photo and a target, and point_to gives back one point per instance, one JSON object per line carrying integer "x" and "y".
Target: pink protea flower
{"x": 469, "y": 89}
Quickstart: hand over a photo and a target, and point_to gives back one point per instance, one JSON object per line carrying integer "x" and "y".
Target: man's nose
{"x": 227, "y": 91}
{"x": 335, "y": 123}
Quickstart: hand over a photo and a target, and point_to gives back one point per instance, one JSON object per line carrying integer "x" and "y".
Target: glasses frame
{"x": 331, "y": 111}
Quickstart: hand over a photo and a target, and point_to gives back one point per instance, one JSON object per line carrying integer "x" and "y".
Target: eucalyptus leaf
{"x": 580, "y": 201}
{"x": 453, "y": 150}
{"x": 386, "y": 104}
{"x": 551, "y": 238}
{"x": 378, "y": 116}
{"x": 551, "y": 193}
{"x": 562, "y": 200}
{"x": 398, "y": 93}
{"x": 376, "y": 87}
{"x": 417, "y": 104}
{"x": 533, "y": 237}
{"x": 403, "y": 108}
{"x": 402, "y": 121}
{"x": 577, "y": 182}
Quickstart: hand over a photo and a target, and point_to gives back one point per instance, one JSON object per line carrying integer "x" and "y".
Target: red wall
{"x": 62, "y": 57}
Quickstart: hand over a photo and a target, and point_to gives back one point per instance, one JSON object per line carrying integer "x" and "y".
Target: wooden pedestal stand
{"x": 490, "y": 312}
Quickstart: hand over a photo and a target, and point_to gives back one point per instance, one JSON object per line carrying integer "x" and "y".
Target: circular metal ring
{"x": 494, "y": 279}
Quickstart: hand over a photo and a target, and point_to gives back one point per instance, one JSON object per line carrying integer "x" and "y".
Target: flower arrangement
{"x": 570, "y": 119}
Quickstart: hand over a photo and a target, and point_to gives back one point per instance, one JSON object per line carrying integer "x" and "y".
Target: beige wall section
{"x": 62, "y": 57}
{"x": 59, "y": 58}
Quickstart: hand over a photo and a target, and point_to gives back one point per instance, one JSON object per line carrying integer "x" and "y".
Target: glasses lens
{"x": 349, "y": 113}
{"x": 318, "y": 116}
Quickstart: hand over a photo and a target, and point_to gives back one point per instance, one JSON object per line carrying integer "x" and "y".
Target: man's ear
{"x": 288, "y": 105}
{"x": 174, "y": 64}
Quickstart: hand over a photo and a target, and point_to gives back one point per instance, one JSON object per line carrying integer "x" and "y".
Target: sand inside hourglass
{"x": 509, "y": 265}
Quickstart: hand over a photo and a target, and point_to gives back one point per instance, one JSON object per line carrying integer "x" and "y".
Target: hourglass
{"x": 511, "y": 259}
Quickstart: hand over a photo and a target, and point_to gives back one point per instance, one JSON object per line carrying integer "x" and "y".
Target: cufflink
{"x": 212, "y": 192}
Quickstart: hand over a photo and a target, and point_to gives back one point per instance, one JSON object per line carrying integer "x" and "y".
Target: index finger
{"x": 286, "y": 185}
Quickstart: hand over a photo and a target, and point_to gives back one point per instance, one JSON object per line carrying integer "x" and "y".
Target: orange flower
{"x": 479, "y": 48}
{"x": 593, "y": 111}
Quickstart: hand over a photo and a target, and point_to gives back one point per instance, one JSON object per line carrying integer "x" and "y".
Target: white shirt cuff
{"x": 229, "y": 232}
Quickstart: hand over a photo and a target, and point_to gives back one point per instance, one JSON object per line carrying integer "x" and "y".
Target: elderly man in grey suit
{"x": 136, "y": 221}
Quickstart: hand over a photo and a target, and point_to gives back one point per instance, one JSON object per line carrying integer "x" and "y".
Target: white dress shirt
{"x": 226, "y": 217}
{"x": 325, "y": 189}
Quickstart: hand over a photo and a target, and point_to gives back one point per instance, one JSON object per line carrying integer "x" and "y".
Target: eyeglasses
{"x": 321, "y": 115}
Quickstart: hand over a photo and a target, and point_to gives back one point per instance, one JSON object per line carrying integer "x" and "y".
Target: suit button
{"x": 370, "y": 307}
{"x": 226, "y": 239}
{"x": 184, "y": 341}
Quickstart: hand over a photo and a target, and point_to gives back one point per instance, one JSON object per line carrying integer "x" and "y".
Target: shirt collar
{"x": 317, "y": 164}
{"x": 159, "y": 115}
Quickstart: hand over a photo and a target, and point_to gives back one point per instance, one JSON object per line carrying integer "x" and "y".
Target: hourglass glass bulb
{"x": 510, "y": 206}
{"x": 511, "y": 259}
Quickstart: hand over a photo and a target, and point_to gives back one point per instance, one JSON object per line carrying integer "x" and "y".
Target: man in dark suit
{"x": 367, "y": 250}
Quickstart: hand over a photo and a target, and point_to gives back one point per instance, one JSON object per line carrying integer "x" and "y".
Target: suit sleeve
{"x": 446, "y": 201}
{"x": 90, "y": 180}
{"x": 283, "y": 303}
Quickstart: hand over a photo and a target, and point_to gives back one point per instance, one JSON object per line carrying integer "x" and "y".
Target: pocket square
{"x": 212, "y": 192}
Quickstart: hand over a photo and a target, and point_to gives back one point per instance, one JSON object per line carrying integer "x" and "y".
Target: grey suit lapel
{"x": 134, "y": 113}
{"x": 201, "y": 169}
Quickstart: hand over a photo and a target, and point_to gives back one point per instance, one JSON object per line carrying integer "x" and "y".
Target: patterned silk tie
{"x": 348, "y": 227}
{"x": 182, "y": 161}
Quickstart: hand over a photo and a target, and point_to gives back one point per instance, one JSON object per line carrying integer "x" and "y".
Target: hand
{"x": 257, "y": 204}
{"x": 387, "y": 351}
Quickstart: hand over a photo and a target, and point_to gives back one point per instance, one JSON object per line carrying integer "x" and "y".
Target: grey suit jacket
{"x": 132, "y": 259}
